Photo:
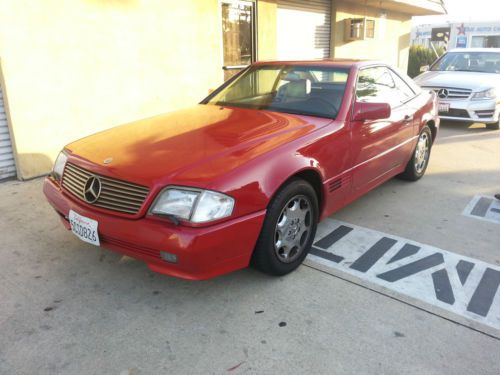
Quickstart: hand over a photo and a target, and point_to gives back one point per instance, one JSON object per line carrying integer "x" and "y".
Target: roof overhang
{"x": 411, "y": 7}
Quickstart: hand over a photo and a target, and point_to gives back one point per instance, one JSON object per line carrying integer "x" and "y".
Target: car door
{"x": 378, "y": 146}
{"x": 408, "y": 108}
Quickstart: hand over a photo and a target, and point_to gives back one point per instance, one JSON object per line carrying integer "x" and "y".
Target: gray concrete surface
{"x": 70, "y": 308}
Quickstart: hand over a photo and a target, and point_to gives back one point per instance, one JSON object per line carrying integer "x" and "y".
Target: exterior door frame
{"x": 254, "y": 57}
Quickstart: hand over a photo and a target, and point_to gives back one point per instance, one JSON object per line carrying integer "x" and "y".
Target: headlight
{"x": 486, "y": 94}
{"x": 59, "y": 165}
{"x": 197, "y": 206}
{"x": 212, "y": 206}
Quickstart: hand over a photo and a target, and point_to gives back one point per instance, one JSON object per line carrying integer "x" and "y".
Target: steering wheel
{"x": 323, "y": 104}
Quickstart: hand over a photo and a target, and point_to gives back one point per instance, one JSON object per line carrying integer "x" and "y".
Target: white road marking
{"x": 456, "y": 287}
{"x": 483, "y": 208}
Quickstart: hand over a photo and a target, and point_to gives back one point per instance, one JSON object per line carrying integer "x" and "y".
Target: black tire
{"x": 411, "y": 172}
{"x": 266, "y": 256}
{"x": 494, "y": 126}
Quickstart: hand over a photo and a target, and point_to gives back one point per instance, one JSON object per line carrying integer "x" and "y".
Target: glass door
{"x": 238, "y": 36}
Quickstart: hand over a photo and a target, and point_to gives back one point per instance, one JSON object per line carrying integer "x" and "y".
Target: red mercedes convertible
{"x": 245, "y": 176}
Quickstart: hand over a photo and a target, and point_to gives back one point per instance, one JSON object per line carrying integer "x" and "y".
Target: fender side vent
{"x": 334, "y": 185}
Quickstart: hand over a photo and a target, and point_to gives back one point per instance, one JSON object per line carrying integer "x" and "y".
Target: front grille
{"x": 454, "y": 112}
{"x": 485, "y": 113}
{"x": 453, "y": 93}
{"x": 116, "y": 195}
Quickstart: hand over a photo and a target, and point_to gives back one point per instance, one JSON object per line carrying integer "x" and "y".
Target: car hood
{"x": 209, "y": 139}
{"x": 462, "y": 80}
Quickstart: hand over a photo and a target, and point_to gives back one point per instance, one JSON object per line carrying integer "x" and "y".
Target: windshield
{"x": 306, "y": 90}
{"x": 484, "y": 62}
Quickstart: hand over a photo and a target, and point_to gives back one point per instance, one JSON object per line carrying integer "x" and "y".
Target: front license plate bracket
{"x": 84, "y": 228}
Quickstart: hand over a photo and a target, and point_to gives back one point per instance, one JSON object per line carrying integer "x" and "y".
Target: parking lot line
{"x": 483, "y": 208}
{"x": 447, "y": 284}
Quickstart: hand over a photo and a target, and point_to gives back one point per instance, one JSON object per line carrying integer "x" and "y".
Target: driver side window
{"x": 377, "y": 85}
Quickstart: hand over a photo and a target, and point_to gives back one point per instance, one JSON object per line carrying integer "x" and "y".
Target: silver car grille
{"x": 115, "y": 195}
{"x": 450, "y": 93}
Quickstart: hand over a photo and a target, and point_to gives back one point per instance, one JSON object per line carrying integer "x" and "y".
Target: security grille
{"x": 304, "y": 29}
{"x": 7, "y": 164}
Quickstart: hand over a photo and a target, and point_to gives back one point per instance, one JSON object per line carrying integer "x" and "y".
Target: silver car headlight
{"x": 197, "y": 206}
{"x": 59, "y": 165}
{"x": 486, "y": 94}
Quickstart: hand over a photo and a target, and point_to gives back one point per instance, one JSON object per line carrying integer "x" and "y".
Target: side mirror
{"x": 424, "y": 68}
{"x": 371, "y": 111}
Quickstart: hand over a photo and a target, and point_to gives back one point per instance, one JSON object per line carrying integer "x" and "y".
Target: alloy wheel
{"x": 293, "y": 229}
{"x": 422, "y": 152}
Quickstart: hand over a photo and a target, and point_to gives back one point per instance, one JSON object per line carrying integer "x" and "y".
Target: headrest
{"x": 298, "y": 89}
{"x": 292, "y": 77}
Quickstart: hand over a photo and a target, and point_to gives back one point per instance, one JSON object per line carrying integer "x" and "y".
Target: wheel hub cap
{"x": 422, "y": 152}
{"x": 293, "y": 229}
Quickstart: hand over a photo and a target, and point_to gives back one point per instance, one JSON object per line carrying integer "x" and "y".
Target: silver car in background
{"x": 467, "y": 83}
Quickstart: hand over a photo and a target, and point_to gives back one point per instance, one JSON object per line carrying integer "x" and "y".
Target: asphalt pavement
{"x": 67, "y": 307}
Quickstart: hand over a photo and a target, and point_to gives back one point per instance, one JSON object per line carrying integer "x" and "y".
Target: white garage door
{"x": 7, "y": 165}
{"x": 304, "y": 29}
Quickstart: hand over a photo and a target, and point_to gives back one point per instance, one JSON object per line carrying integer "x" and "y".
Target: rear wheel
{"x": 494, "y": 126}
{"x": 417, "y": 165}
{"x": 288, "y": 230}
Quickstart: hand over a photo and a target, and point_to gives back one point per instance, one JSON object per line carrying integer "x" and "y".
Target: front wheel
{"x": 288, "y": 230}
{"x": 417, "y": 165}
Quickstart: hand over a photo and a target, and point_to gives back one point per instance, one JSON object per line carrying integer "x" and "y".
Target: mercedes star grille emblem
{"x": 92, "y": 189}
{"x": 443, "y": 93}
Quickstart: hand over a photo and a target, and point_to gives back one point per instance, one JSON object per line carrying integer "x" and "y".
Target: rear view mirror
{"x": 424, "y": 68}
{"x": 371, "y": 111}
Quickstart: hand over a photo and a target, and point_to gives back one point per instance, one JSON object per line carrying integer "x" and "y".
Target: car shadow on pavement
{"x": 465, "y": 127}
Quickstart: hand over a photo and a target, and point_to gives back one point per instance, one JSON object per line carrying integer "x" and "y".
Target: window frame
{"x": 254, "y": 36}
{"x": 392, "y": 71}
{"x": 372, "y": 30}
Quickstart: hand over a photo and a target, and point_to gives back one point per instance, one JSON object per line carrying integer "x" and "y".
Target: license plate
{"x": 444, "y": 107}
{"x": 84, "y": 228}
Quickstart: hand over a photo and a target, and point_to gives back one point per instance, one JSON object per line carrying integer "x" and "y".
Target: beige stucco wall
{"x": 75, "y": 67}
{"x": 392, "y": 35}
{"x": 266, "y": 29}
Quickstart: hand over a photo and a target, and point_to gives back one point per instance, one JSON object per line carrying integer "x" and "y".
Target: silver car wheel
{"x": 422, "y": 152}
{"x": 293, "y": 229}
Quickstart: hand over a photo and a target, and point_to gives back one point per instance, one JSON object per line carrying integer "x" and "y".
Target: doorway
{"x": 238, "y": 36}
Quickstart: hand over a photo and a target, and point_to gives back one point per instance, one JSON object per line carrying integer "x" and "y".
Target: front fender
{"x": 254, "y": 186}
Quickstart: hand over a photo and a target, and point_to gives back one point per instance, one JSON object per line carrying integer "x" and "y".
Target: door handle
{"x": 234, "y": 67}
{"x": 408, "y": 118}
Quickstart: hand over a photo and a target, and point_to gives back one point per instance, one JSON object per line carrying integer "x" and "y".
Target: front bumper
{"x": 484, "y": 111}
{"x": 202, "y": 253}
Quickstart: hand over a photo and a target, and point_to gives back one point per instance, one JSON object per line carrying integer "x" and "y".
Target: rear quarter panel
{"x": 426, "y": 112}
